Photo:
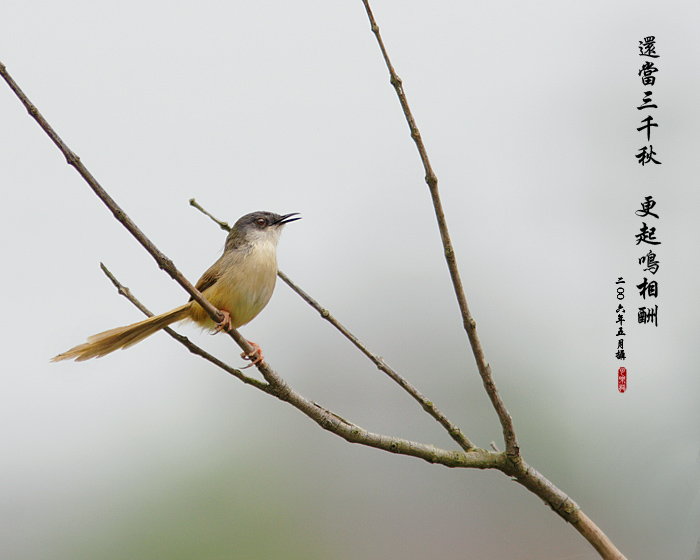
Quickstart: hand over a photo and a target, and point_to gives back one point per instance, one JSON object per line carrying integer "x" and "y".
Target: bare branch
{"x": 597, "y": 538}
{"x": 276, "y": 386}
{"x": 163, "y": 262}
{"x": 510, "y": 462}
{"x": 564, "y": 506}
{"x": 512, "y": 448}
{"x": 222, "y": 225}
{"x": 454, "y": 432}
{"x": 476, "y": 458}
{"x": 186, "y": 342}
{"x": 515, "y": 466}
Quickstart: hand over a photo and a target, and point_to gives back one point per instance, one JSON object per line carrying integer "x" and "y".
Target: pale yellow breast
{"x": 246, "y": 285}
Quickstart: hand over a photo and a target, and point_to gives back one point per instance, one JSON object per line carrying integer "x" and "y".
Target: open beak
{"x": 287, "y": 218}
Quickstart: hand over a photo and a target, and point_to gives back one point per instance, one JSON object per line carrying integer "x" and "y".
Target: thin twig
{"x": 163, "y": 262}
{"x": 277, "y": 387}
{"x": 455, "y": 433}
{"x": 476, "y": 458}
{"x": 327, "y": 419}
{"x": 515, "y": 466}
{"x": 222, "y": 225}
{"x": 512, "y": 449}
{"x": 186, "y": 342}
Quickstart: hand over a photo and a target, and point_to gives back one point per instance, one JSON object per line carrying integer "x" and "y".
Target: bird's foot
{"x": 256, "y": 355}
{"x": 225, "y": 325}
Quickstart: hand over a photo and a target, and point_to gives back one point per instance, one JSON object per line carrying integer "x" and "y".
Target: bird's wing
{"x": 209, "y": 278}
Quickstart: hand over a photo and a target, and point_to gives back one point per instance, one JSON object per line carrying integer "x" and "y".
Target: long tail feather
{"x": 104, "y": 343}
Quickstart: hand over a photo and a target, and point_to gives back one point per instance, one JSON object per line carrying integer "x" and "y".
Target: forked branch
{"x": 512, "y": 449}
{"x": 475, "y": 458}
{"x": 509, "y": 462}
{"x": 516, "y": 467}
{"x": 455, "y": 433}
{"x": 276, "y": 386}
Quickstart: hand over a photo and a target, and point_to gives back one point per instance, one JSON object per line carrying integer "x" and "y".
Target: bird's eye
{"x": 261, "y": 222}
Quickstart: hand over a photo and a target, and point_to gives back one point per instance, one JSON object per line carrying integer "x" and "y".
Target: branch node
{"x": 164, "y": 263}
{"x": 222, "y": 225}
{"x": 71, "y": 157}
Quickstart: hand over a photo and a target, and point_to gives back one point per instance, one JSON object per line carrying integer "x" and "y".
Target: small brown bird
{"x": 239, "y": 284}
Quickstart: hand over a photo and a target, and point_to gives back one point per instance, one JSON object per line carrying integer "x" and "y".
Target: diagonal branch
{"x": 186, "y": 342}
{"x": 515, "y": 466}
{"x": 455, "y": 433}
{"x": 512, "y": 449}
{"x": 276, "y": 386}
{"x": 163, "y": 262}
{"x": 509, "y": 463}
{"x": 475, "y": 458}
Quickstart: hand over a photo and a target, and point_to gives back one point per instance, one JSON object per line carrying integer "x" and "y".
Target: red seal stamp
{"x": 622, "y": 380}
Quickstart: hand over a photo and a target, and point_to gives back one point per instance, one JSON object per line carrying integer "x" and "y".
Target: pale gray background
{"x": 528, "y": 110}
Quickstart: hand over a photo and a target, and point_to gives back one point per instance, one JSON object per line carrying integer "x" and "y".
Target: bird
{"x": 240, "y": 284}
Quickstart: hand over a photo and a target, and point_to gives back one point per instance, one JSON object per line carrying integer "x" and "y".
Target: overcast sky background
{"x": 528, "y": 111}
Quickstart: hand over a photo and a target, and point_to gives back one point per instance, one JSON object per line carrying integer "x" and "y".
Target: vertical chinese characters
{"x": 647, "y": 49}
{"x": 647, "y": 237}
{"x": 620, "y": 354}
